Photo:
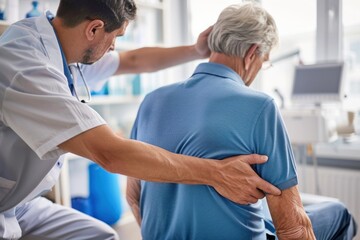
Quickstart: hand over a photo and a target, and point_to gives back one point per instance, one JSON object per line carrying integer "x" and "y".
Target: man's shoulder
{"x": 162, "y": 91}
{"x": 258, "y": 95}
{"x": 251, "y": 98}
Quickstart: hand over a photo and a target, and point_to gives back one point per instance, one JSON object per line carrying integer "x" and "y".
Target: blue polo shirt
{"x": 211, "y": 115}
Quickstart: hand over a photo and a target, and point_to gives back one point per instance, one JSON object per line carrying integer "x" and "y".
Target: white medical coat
{"x": 37, "y": 112}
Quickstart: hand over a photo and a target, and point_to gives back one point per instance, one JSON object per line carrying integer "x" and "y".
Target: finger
{"x": 258, "y": 194}
{"x": 248, "y": 200}
{"x": 252, "y": 200}
{"x": 254, "y": 158}
{"x": 209, "y": 29}
{"x": 243, "y": 198}
{"x": 267, "y": 187}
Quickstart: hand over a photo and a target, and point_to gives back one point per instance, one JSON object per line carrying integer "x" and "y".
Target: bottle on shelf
{"x": 34, "y": 11}
{"x": 2, "y": 9}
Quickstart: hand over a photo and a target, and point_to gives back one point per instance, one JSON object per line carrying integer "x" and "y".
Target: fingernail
{"x": 265, "y": 158}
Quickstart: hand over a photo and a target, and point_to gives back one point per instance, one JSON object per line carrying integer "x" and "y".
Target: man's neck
{"x": 69, "y": 39}
{"x": 235, "y": 63}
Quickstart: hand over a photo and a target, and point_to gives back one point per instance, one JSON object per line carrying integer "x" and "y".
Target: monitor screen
{"x": 318, "y": 83}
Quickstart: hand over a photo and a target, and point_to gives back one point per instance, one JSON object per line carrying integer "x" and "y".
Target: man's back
{"x": 212, "y": 115}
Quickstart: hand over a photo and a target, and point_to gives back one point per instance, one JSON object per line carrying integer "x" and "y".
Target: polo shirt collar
{"x": 218, "y": 70}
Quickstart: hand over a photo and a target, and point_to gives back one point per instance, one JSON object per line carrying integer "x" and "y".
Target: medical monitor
{"x": 318, "y": 83}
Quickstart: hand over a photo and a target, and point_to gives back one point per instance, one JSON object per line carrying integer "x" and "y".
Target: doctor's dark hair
{"x": 112, "y": 12}
{"x": 240, "y": 26}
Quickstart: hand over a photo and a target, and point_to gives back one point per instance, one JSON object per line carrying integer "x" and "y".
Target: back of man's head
{"x": 112, "y": 12}
{"x": 240, "y": 26}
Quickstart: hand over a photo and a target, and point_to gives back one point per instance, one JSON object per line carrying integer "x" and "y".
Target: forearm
{"x": 289, "y": 231}
{"x": 151, "y": 163}
{"x": 289, "y": 216}
{"x": 133, "y": 197}
{"x": 140, "y": 160}
{"x": 150, "y": 59}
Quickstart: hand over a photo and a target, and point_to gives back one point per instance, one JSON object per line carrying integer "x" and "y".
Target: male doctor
{"x": 43, "y": 116}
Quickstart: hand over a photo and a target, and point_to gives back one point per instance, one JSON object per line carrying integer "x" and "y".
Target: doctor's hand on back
{"x": 233, "y": 177}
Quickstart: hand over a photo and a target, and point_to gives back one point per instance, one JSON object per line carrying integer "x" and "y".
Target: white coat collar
{"x": 49, "y": 41}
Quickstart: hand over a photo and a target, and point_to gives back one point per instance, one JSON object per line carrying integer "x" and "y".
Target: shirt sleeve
{"x": 40, "y": 109}
{"x": 97, "y": 74}
{"x": 270, "y": 138}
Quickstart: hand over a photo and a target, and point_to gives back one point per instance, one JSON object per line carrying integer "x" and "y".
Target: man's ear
{"x": 92, "y": 28}
{"x": 250, "y": 56}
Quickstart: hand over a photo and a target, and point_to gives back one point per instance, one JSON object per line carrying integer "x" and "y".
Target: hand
{"x": 238, "y": 181}
{"x": 201, "y": 45}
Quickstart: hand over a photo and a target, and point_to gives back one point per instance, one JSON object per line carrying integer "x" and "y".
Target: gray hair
{"x": 240, "y": 26}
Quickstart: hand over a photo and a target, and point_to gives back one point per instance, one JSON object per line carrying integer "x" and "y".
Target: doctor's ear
{"x": 250, "y": 56}
{"x": 93, "y": 27}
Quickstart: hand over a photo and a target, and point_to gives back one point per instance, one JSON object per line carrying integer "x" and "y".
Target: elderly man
{"x": 214, "y": 114}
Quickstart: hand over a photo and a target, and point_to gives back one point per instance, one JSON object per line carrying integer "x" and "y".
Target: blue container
{"x": 34, "y": 11}
{"x": 105, "y": 195}
{"x": 103, "y": 91}
{"x": 82, "y": 204}
{"x": 136, "y": 85}
{"x": 2, "y": 15}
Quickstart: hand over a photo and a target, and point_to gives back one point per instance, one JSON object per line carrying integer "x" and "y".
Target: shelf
{"x": 340, "y": 150}
{"x": 146, "y": 29}
{"x": 3, "y": 26}
{"x": 106, "y": 100}
{"x": 150, "y": 4}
